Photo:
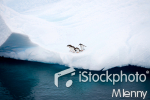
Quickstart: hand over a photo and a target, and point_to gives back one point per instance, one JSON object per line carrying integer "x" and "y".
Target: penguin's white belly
{"x": 72, "y": 49}
{"x": 82, "y": 47}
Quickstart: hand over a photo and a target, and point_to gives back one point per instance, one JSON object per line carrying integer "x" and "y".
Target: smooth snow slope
{"x": 116, "y": 32}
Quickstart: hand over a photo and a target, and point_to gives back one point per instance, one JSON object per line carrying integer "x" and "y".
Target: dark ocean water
{"x": 24, "y": 80}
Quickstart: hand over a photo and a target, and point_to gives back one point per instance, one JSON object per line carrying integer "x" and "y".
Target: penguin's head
{"x": 80, "y": 44}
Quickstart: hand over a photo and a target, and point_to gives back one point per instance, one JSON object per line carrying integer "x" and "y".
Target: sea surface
{"x": 25, "y": 80}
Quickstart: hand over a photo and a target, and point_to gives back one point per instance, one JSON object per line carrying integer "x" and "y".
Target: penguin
{"x": 72, "y": 48}
{"x": 82, "y": 46}
{"x": 77, "y": 50}
{"x": 69, "y": 46}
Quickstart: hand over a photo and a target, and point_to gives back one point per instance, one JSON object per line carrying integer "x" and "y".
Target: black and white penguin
{"x": 72, "y": 48}
{"x": 69, "y": 46}
{"x": 77, "y": 50}
{"x": 82, "y": 46}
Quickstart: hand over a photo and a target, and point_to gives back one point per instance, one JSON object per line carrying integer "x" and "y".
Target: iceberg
{"x": 116, "y": 33}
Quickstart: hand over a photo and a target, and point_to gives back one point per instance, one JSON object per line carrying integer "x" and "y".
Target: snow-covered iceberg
{"x": 116, "y": 33}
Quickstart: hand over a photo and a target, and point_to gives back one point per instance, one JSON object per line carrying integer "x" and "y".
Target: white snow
{"x": 4, "y": 31}
{"x": 116, "y": 32}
